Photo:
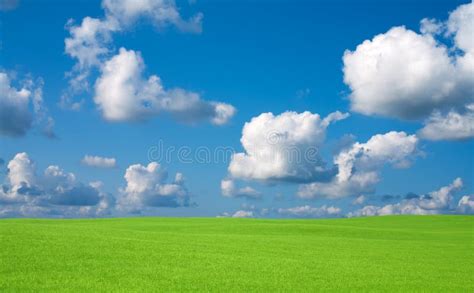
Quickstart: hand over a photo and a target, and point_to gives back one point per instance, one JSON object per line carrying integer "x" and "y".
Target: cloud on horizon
{"x": 53, "y": 193}
{"x": 147, "y": 187}
{"x": 307, "y": 211}
{"x": 435, "y": 202}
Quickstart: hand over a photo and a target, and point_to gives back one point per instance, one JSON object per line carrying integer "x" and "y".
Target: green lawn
{"x": 401, "y": 253}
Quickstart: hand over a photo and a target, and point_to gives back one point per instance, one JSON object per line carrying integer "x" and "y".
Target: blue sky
{"x": 268, "y": 56}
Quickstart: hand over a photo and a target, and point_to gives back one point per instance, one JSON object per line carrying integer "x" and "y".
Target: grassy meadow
{"x": 393, "y": 253}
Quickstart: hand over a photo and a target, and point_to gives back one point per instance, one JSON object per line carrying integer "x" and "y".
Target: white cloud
{"x": 247, "y": 211}
{"x": 466, "y": 205}
{"x": 21, "y": 108}
{"x": 461, "y": 26}
{"x": 56, "y": 179}
{"x": 451, "y": 126}
{"x": 434, "y": 203}
{"x": 430, "y": 26}
{"x": 90, "y": 42}
{"x": 283, "y": 147}
{"x": 160, "y": 13}
{"x": 222, "y": 113}
{"x": 229, "y": 189}
{"x": 307, "y": 211}
{"x": 122, "y": 94}
{"x": 359, "y": 200}
{"x": 360, "y": 165}
{"x": 147, "y": 187}
{"x": 100, "y": 162}
{"x": 21, "y": 170}
{"x": 408, "y": 75}
{"x": 54, "y": 193}
{"x": 400, "y": 74}
{"x": 243, "y": 214}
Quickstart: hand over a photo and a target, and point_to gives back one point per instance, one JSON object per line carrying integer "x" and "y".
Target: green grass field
{"x": 404, "y": 253}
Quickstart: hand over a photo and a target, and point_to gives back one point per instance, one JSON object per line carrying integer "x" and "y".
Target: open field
{"x": 403, "y": 253}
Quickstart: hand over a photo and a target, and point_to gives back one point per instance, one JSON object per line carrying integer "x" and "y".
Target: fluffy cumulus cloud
{"x": 466, "y": 205}
{"x": 161, "y": 13}
{"x": 410, "y": 75}
{"x": 307, "y": 211}
{"x": 21, "y": 172}
{"x": 243, "y": 214}
{"x": 400, "y": 74}
{"x": 53, "y": 193}
{"x": 56, "y": 193}
{"x": 435, "y": 202}
{"x": 283, "y": 147}
{"x": 359, "y": 165}
{"x": 228, "y": 189}
{"x": 452, "y": 125}
{"x": 22, "y": 107}
{"x": 123, "y": 94}
{"x": 91, "y": 42}
{"x": 147, "y": 187}
{"x": 99, "y": 162}
{"x": 121, "y": 91}
{"x": 88, "y": 44}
